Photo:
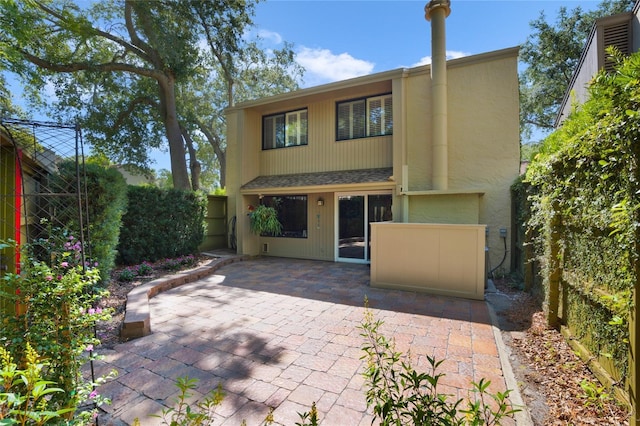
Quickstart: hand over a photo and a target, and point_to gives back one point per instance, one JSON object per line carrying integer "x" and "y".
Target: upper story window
{"x": 365, "y": 117}
{"x": 285, "y": 129}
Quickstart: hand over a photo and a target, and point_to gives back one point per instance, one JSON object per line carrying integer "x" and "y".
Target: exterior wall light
{"x": 321, "y": 201}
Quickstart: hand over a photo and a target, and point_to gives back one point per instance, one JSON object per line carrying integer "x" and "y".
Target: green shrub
{"x": 144, "y": 269}
{"x": 161, "y": 223}
{"x": 400, "y": 395}
{"x": 106, "y": 199}
{"x": 57, "y": 308}
{"x": 126, "y": 275}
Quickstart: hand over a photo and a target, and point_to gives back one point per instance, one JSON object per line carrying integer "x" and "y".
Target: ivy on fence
{"x": 584, "y": 186}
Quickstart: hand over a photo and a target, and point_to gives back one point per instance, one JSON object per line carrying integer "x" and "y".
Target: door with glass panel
{"x": 354, "y": 214}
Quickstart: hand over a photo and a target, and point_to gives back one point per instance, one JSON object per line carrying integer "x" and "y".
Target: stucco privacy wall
{"x": 437, "y": 258}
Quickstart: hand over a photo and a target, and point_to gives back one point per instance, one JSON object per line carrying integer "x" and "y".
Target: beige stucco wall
{"x": 440, "y": 259}
{"x": 483, "y": 146}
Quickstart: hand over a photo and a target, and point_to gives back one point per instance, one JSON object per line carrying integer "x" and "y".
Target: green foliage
{"x": 175, "y": 264}
{"x": 127, "y": 275}
{"x": 106, "y": 192}
{"x": 594, "y": 394}
{"x": 400, "y": 395}
{"x": 583, "y": 191}
{"x": 551, "y": 54}
{"x": 183, "y": 413}
{"x": 57, "y": 307}
{"x": 264, "y": 220}
{"x": 309, "y": 418}
{"x": 161, "y": 224}
{"x": 24, "y": 395}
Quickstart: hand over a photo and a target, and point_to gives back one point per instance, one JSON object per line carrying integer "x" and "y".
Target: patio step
{"x": 137, "y": 319}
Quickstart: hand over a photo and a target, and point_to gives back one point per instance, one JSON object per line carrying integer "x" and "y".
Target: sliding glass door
{"x": 354, "y": 214}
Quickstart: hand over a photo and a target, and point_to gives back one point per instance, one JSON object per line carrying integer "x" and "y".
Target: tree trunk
{"x": 177, "y": 151}
{"x": 194, "y": 164}
{"x": 221, "y": 154}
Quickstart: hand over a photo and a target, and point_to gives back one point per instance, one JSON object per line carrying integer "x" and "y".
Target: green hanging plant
{"x": 264, "y": 220}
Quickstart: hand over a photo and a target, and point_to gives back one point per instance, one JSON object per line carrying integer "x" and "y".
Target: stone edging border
{"x": 137, "y": 319}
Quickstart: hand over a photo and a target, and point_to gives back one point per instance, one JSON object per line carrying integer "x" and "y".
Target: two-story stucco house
{"x": 435, "y": 144}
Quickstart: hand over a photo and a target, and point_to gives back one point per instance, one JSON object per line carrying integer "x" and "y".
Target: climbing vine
{"x": 584, "y": 187}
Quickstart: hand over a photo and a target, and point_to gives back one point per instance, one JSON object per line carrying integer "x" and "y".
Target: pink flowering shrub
{"x": 56, "y": 296}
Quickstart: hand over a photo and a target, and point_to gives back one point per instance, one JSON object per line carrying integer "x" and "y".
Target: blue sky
{"x": 335, "y": 40}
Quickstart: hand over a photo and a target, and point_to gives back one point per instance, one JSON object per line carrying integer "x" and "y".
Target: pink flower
{"x": 89, "y": 348}
{"x": 93, "y": 394}
{"x": 64, "y": 264}
{"x": 48, "y": 278}
{"x": 91, "y": 311}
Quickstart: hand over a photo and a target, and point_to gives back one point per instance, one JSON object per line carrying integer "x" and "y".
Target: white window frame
{"x": 292, "y": 131}
{"x": 386, "y": 116}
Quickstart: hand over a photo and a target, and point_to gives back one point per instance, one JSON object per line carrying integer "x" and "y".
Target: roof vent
{"x": 615, "y": 35}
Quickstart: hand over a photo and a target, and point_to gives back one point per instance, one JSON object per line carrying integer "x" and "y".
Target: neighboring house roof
{"x": 334, "y": 178}
{"x": 615, "y": 30}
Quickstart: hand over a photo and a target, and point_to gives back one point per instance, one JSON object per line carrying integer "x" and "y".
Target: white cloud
{"x": 323, "y": 66}
{"x": 451, "y": 54}
{"x": 270, "y": 36}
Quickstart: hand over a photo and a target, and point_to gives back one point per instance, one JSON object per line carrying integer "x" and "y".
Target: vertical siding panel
{"x": 323, "y": 153}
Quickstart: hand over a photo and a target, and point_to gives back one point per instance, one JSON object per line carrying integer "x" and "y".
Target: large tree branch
{"x": 85, "y": 66}
{"x": 135, "y": 39}
{"x": 141, "y": 100}
{"x": 213, "y": 139}
{"x": 136, "y": 50}
{"x": 226, "y": 68}
{"x": 152, "y": 53}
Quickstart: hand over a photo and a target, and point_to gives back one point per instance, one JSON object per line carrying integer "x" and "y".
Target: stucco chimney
{"x": 436, "y": 11}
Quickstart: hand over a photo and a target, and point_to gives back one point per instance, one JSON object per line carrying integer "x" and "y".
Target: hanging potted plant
{"x": 264, "y": 221}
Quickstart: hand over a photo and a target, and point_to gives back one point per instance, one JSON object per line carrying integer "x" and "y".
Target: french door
{"x": 355, "y": 211}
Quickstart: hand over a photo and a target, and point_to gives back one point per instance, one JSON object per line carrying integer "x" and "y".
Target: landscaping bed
{"x": 554, "y": 382}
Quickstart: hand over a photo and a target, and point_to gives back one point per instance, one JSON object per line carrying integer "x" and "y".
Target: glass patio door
{"x": 355, "y": 213}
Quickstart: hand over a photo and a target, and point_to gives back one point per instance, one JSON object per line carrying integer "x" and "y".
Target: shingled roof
{"x": 342, "y": 177}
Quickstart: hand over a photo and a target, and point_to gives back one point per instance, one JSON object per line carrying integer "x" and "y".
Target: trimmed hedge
{"x": 161, "y": 223}
{"x": 106, "y": 191}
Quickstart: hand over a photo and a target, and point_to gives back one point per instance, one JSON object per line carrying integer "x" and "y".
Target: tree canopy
{"x": 551, "y": 54}
{"x": 141, "y": 75}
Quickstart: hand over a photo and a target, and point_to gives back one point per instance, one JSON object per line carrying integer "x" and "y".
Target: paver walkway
{"x": 284, "y": 333}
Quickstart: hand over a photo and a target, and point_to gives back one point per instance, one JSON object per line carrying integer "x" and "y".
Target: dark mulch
{"x": 550, "y": 375}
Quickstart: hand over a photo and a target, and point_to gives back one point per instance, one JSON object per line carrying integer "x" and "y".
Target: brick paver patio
{"x": 283, "y": 333}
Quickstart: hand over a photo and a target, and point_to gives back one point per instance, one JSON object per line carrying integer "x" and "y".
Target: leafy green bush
{"x": 161, "y": 223}
{"x": 585, "y": 210}
{"x": 57, "y": 308}
{"x": 106, "y": 192}
{"x": 400, "y": 395}
{"x": 25, "y": 393}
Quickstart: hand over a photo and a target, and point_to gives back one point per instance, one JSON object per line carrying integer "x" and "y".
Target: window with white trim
{"x": 361, "y": 118}
{"x": 285, "y": 129}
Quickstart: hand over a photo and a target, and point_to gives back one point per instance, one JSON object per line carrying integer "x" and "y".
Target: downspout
{"x": 436, "y": 11}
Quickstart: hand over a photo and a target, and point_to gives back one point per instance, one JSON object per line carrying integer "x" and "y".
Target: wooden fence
{"x": 584, "y": 319}
{"x": 216, "y": 233}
